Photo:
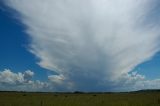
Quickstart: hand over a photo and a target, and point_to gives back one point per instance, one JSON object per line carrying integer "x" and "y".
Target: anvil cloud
{"x": 90, "y": 44}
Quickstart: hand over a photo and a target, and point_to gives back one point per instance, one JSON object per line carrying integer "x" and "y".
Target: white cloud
{"x": 91, "y": 43}
{"x": 28, "y": 75}
{"x": 133, "y": 84}
{"x": 58, "y": 79}
{"x": 9, "y": 77}
{"x": 20, "y": 81}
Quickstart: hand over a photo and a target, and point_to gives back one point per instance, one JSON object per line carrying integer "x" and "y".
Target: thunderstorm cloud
{"x": 91, "y": 44}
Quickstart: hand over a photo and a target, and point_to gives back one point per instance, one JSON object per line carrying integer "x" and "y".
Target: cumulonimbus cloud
{"x": 89, "y": 43}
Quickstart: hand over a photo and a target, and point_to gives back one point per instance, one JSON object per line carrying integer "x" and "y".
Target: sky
{"x": 84, "y": 45}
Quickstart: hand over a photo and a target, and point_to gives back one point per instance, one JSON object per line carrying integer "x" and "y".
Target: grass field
{"x": 62, "y": 99}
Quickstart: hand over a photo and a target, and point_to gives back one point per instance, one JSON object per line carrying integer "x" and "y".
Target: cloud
{"x": 56, "y": 78}
{"x": 90, "y": 44}
{"x": 28, "y": 75}
{"x": 20, "y": 81}
{"x": 138, "y": 82}
{"x": 10, "y": 81}
{"x": 7, "y": 76}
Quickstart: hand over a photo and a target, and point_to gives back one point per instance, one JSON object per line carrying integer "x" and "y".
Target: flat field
{"x": 69, "y": 99}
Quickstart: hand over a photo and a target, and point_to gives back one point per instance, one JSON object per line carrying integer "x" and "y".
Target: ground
{"x": 78, "y": 99}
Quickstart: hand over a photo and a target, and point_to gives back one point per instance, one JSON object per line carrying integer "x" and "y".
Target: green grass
{"x": 53, "y": 99}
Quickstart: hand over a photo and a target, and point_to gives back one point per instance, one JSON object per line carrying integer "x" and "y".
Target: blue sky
{"x": 13, "y": 44}
{"x": 88, "y": 50}
{"x": 151, "y": 68}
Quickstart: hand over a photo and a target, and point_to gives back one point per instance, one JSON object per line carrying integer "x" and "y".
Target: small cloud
{"x": 57, "y": 79}
{"x": 28, "y": 75}
{"x": 20, "y": 81}
{"x": 8, "y": 77}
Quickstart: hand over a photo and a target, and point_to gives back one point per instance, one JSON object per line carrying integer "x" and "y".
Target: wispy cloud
{"x": 90, "y": 43}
